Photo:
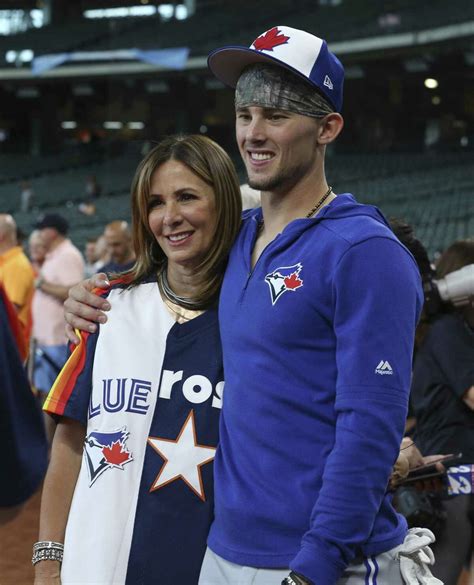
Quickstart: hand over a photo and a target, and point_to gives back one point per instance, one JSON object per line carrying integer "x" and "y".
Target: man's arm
{"x": 377, "y": 298}
{"x": 83, "y": 308}
{"x": 58, "y": 291}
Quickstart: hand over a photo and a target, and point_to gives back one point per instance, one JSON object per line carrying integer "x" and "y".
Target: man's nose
{"x": 256, "y": 130}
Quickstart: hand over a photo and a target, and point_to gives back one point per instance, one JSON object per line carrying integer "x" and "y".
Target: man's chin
{"x": 261, "y": 184}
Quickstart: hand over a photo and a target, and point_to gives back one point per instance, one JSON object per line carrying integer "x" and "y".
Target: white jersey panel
{"x": 126, "y": 376}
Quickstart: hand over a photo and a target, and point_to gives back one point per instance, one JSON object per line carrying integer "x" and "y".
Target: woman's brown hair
{"x": 212, "y": 165}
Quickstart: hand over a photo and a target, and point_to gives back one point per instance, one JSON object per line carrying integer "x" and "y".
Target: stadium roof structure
{"x": 80, "y": 47}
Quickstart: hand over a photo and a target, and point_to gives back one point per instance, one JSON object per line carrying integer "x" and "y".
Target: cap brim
{"x": 228, "y": 63}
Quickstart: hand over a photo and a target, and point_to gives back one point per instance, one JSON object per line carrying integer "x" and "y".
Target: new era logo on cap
{"x": 328, "y": 82}
{"x": 302, "y": 53}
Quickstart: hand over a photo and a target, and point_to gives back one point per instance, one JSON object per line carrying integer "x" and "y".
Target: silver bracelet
{"x": 47, "y": 550}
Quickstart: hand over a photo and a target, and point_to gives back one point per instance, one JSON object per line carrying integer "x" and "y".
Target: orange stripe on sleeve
{"x": 62, "y": 388}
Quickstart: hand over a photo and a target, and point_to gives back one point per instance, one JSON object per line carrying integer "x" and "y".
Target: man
{"x": 317, "y": 316}
{"x": 119, "y": 245}
{"x": 36, "y": 250}
{"x": 62, "y": 267}
{"x": 17, "y": 277}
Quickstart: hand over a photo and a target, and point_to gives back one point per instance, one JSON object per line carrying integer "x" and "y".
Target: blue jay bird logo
{"x": 283, "y": 279}
{"x": 106, "y": 450}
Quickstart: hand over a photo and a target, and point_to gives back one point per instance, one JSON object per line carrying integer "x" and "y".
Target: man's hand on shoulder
{"x": 83, "y": 308}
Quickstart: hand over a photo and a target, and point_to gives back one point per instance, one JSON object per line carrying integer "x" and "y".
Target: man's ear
{"x": 330, "y": 127}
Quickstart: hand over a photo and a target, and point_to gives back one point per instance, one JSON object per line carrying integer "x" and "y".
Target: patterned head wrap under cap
{"x": 270, "y": 86}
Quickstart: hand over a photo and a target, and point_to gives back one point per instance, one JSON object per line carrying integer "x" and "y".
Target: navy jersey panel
{"x": 173, "y": 521}
{"x": 25, "y": 449}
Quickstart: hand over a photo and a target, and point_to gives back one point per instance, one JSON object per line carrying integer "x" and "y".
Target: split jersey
{"x": 149, "y": 392}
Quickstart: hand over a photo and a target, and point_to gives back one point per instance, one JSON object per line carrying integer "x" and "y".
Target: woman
{"x": 129, "y": 487}
{"x": 443, "y": 403}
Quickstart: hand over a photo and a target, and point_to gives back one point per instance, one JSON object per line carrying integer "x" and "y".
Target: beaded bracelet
{"x": 47, "y": 550}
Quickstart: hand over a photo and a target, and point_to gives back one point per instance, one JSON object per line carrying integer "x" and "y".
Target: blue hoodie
{"x": 317, "y": 343}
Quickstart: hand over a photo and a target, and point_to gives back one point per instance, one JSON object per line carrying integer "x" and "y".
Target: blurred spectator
{"x": 25, "y": 452}
{"x": 406, "y": 235}
{"x": 87, "y": 208}
{"x": 443, "y": 402}
{"x": 27, "y": 195}
{"x": 119, "y": 246}
{"x": 20, "y": 236}
{"x": 102, "y": 253}
{"x": 16, "y": 275}
{"x": 90, "y": 254}
{"x": 62, "y": 267}
{"x": 36, "y": 250}
{"x": 92, "y": 188}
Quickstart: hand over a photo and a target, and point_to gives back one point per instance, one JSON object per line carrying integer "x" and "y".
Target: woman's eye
{"x": 154, "y": 203}
{"x": 187, "y": 197}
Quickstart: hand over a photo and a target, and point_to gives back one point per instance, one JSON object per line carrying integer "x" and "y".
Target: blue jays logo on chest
{"x": 284, "y": 279}
{"x": 106, "y": 450}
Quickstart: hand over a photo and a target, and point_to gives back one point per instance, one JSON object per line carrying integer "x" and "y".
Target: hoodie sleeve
{"x": 377, "y": 300}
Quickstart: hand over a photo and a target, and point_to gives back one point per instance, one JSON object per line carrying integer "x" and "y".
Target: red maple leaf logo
{"x": 272, "y": 38}
{"x": 292, "y": 282}
{"x": 116, "y": 455}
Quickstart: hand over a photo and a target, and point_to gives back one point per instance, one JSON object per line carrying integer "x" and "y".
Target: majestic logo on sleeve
{"x": 271, "y": 39}
{"x": 106, "y": 450}
{"x": 281, "y": 280}
{"x": 183, "y": 458}
{"x": 384, "y": 368}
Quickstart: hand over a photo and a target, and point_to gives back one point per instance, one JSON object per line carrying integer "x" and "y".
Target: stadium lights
{"x": 120, "y": 12}
{"x": 181, "y": 12}
{"x": 68, "y": 125}
{"x": 166, "y": 11}
{"x": 26, "y": 55}
{"x": 113, "y": 125}
{"x": 23, "y": 56}
{"x": 431, "y": 83}
{"x": 135, "y": 125}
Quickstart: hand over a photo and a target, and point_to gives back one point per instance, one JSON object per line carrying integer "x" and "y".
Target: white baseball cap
{"x": 302, "y": 53}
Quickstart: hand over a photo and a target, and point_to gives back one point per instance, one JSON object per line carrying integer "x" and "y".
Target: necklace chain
{"x": 313, "y": 210}
{"x": 172, "y": 297}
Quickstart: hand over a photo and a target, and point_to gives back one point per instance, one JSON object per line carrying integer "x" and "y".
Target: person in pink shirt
{"x": 62, "y": 268}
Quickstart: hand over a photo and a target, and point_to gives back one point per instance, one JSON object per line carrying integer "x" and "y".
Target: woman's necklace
{"x": 172, "y": 297}
{"x": 181, "y": 315}
{"x": 181, "y": 308}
